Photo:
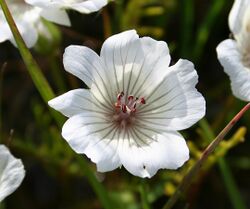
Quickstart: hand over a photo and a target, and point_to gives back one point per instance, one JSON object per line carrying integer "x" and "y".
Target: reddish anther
{"x": 130, "y": 97}
{"x": 143, "y": 101}
{"x": 128, "y": 105}
{"x": 119, "y": 96}
{"x": 124, "y": 108}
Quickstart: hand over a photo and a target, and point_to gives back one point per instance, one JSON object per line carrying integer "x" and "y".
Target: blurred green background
{"x": 56, "y": 178}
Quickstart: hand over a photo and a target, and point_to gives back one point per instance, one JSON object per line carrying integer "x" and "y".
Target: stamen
{"x": 143, "y": 100}
{"x": 129, "y": 105}
{"x": 130, "y": 97}
{"x": 124, "y": 108}
{"x": 119, "y": 96}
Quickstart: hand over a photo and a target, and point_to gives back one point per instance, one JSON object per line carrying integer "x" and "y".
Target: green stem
{"x": 106, "y": 23}
{"x": 96, "y": 185}
{"x": 231, "y": 186}
{"x": 46, "y": 93}
{"x": 144, "y": 197}
{"x": 32, "y": 67}
{"x": 187, "y": 180}
{"x": 34, "y": 70}
{"x": 205, "y": 28}
{"x": 56, "y": 74}
{"x": 187, "y": 13}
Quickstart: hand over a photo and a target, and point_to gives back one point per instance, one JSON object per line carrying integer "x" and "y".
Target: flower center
{"x": 125, "y": 109}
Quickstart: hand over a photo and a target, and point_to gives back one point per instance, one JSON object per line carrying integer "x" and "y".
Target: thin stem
{"x": 34, "y": 70}
{"x": 144, "y": 197}
{"x": 119, "y": 11}
{"x": 106, "y": 23}
{"x": 96, "y": 185}
{"x": 187, "y": 12}
{"x": 226, "y": 173}
{"x": 46, "y": 92}
{"x": 32, "y": 67}
{"x": 232, "y": 189}
{"x": 204, "y": 30}
{"x": 187, "y": 180}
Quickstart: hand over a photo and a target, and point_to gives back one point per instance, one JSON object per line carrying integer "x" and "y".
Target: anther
{"x": 128, "y": 105}
{"x": 119, "y": 96}
{"x": 124, "y": 108}
{"x": 142, "y": 101}
{"x": 130, "y": 97}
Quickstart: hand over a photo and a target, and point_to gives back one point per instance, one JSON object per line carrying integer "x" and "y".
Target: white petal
{"x": 86, "y": 65}
{"x": 11, "y": 173}
{"x": 5, "y": 33}
{"x": 134, "y": 63}
{"x": 56, "y": 15}
{"x": 154, "y": 66}
{"x": 237, "y": 14}
{"x": 28, "y": 32}
{"x": 168, "y": 151}
{"x": 230, "y": 59}
{"x": 75, "y": 102}
{"x": 39, "y": 3}
{"x": 87, "y": 6}
{"x": 24, "y": 25}
{"x": 115, "y": 54}
{"x": 83, "y": 6}
{"x": 175, "y": 103}
{"x": 95, "y": 135}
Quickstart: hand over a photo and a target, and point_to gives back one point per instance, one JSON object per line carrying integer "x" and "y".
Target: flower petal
{"x": 28, "y": 33}
{"x": 115, "y": 54}
{"x": 167, "y": 151}
{"x": 86, "y": 65}
{"x": 175, "y": 103}
{"x": 83, "y": 6}
{"x": 87, "y": 6}
{"x": 236, "y": 15}
{"x": 153, "y": 68}
{"x": 39, "y": 3}
{"x": 77, "y": 101}
{"x": 95, "y": 135}
{"x": 56, "y": 15}
{"x": 26, "y": 29}
{"x": 134, "y": 62}
{"x": 5, "y": 32}
{"x": 230, "y": 59}
{"x": 11, "y": 173}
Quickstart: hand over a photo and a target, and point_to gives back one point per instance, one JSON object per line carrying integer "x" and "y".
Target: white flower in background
{"x": 82, "y": 6}
{"x": 29, "y": 22}
{"x": 234, "y": 54}
{"x": 134, "y": 107}
{"x": 11, "y": 172}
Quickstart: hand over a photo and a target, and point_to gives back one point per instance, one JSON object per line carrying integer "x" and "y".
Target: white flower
{"x": 134, "y": 107}
{"x": 29, "y": 22}
{"x": 11, "y": 172}
{"x": 82, "y": 6}
{"x": 234, "y": 54}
